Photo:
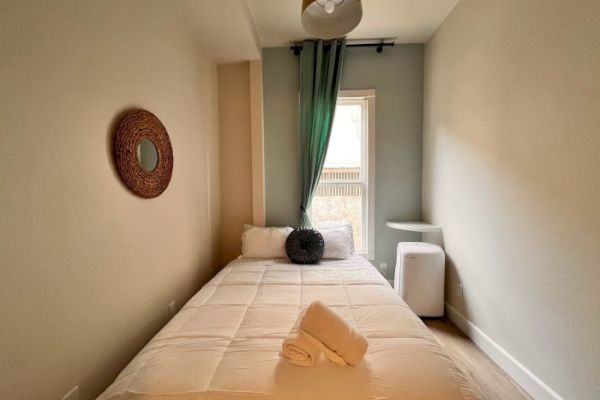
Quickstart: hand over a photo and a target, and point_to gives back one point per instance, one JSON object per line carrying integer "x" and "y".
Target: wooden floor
{"x": 485, "y": 376}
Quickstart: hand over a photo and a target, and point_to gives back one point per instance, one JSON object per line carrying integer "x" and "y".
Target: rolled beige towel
{"x": 324, "y": 325}
{"x": 300, "y": 349}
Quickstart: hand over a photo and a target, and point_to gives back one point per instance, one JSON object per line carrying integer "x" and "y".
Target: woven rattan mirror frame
{"x": 135, "y": 126}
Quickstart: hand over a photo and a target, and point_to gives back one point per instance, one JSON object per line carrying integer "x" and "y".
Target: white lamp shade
{"x": 317, "y": 22}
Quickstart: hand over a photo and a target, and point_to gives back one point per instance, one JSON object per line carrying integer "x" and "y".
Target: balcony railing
{"x": 339, "y": 189}
{"x": 340, "y": 182}
{"x": 340, "y": 174}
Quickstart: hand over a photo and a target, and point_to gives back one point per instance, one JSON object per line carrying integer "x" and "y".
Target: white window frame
{"x": 366, "y": 99}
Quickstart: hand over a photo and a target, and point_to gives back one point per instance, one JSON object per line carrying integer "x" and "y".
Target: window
{"x": 345, "y": 194}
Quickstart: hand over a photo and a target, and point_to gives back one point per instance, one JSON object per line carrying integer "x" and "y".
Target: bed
{"x": 224, "y": 343}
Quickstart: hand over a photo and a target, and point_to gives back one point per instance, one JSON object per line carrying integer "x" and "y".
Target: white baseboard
{"x": 533, "y": 385}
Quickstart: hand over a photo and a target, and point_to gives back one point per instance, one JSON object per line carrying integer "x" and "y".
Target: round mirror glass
{"x": 147, "y": 155}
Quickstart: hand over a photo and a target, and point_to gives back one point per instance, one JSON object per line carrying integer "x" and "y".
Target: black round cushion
{"x": 305, "y": 246}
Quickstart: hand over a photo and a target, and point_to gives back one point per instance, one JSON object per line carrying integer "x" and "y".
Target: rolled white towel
{"x": 300, "y": 349}
{"x": 341, "y": 342}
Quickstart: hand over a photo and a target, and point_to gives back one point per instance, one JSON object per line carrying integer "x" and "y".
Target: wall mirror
{"x": 147, "y": 155}
{"x": 142, "y": 153}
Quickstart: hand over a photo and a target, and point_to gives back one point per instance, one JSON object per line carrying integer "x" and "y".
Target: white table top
{"x": 413, "y": 226}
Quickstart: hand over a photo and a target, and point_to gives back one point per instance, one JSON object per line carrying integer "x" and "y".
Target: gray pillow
{"x": 339, "y": 241}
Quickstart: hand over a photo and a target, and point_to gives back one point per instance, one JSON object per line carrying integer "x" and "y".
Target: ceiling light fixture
{"x": 328, "y": 19}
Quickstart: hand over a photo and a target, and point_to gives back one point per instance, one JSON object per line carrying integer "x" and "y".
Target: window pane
{"x": 337, "y": 204}
{"x": 345, "y": 143}
{"x": 339, "y": 196}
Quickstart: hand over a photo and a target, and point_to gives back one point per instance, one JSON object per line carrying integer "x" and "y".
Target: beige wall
{"x": 236, "y": 156}
{"x": 258, "y": 143}
{"x": 511, "y": 172}
{"x": 87, "y": 268}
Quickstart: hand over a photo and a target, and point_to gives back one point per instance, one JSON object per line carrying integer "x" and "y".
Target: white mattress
{"x": 225, "y": 342}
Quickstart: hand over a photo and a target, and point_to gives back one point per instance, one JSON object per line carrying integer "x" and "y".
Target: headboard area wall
{"x": 397, "y": 77}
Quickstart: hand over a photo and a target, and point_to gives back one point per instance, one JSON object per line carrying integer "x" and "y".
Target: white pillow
{"x": 339, "y": 241}
{"x": 268, "y": 242}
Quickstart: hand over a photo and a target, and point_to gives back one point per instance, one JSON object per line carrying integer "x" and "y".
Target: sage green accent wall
{"x": 397, "y": 77}
{"x": 282, "y": 169}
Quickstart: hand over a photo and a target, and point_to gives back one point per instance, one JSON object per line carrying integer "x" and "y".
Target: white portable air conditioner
{"x": 419, "y": 277}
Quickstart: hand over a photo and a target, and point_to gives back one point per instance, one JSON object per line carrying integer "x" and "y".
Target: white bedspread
{"x": 225, "y": 342}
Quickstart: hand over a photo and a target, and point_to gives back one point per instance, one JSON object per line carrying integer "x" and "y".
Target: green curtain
{"x": 320, "y": 72}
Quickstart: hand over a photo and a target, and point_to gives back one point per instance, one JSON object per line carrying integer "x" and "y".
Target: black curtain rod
{"x": 297, "y": 48}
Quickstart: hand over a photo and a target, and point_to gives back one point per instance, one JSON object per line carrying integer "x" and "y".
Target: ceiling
{"x": 225, "y": 28}
{"x": 407, "y": 21}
